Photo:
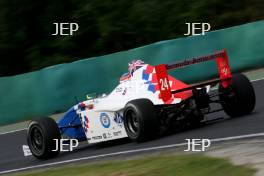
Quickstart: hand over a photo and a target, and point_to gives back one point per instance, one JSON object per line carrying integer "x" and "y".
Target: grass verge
{"x": 158, "y": 165}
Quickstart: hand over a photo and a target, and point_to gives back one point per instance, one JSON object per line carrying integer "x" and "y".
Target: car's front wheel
{"x": 40, "y": 137}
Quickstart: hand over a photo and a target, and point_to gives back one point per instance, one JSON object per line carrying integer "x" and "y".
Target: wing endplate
{"x": 224, "y": 69}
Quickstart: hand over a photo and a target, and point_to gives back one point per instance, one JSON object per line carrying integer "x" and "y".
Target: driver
{"x": 132, "y": 67}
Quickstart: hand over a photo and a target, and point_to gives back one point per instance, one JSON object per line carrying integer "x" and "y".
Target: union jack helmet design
{"x": 134, "y": 65}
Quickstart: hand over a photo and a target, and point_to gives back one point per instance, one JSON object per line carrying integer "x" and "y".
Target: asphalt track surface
{"x": 12, "y": 157}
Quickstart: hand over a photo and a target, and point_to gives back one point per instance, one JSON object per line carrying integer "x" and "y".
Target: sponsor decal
{"x": 107, "y": 135}
{"x": 119, "y": 89}
{"x": 118, "y": 119}
{"x": 104, "y": 136}
{"x": 105, "y": 120}
{"x": 117, "y": 133}
{"x": 86, "y": 122}
{"x": 124, "y": 92}
{"x": 97, "y": 137}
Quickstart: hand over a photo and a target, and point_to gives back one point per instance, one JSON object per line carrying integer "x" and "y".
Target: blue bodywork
{"x": 71, "y": 125}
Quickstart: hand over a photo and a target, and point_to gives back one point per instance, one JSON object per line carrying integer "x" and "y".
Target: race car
{"x": 146, "y": 102}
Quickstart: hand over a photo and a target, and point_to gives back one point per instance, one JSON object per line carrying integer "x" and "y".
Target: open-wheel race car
{"x": 146, "y": 102}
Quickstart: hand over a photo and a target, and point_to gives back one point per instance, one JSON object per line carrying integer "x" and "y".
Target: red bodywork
{"x": 182, "y": 90}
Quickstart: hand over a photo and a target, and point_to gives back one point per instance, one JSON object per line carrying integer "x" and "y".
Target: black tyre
{"x": 238, "y": 98}
{"x": 40, "y": 137}
{"x": 140, "y": 120}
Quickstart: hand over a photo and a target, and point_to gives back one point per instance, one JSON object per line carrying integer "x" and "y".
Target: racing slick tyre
{"x": 140, "y": 120}
{"x": 238, "y": 98}
{"x": 40, "y": 137}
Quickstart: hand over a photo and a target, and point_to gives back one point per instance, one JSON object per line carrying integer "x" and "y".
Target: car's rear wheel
{"x": 238, "y": 98}
{"x": 140, "y": 120}
{"x": 40, "y": 137}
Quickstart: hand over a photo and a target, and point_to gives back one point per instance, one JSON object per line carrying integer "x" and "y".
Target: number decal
{"x": 164, "y": 84}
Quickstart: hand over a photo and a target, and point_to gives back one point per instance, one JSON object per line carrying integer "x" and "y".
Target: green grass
{"x": 158, "y": 165}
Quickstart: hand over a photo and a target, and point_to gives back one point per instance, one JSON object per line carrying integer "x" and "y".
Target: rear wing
{"x": 222, "y": 65}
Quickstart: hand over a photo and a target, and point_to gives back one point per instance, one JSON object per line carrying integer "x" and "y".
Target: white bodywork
{"x": 102, "y": 118}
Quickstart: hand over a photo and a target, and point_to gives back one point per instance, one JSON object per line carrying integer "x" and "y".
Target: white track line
{"x": 128, "y": 152}
{"x": 254, "y": 80}
{"x": 13, "y": 131}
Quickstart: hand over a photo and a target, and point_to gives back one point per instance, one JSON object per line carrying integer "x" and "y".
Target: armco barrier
{"x": 53, "y": 89}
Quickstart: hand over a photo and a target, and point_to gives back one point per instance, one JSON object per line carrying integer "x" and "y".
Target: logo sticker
{"x": 119, "y": 89}
{"x": 97, "y": 137}
{"x": 105, "y": 120}
{"x": 107, "y": 135}
{"x": 117, "y": 133}
{"x": 124, "y": 91}
{"x": 118, "y": 119}
{"x": 86, "y": 123}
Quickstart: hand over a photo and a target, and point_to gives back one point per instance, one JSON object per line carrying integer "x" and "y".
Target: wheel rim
{"x": 132, "y": 122}
{"x": 37, "y": 139}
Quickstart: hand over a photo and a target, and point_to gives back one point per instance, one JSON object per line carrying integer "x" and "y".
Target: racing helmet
{"x": 134, "y": 65}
